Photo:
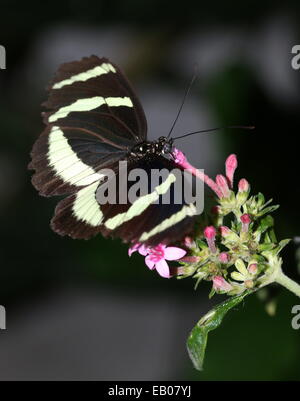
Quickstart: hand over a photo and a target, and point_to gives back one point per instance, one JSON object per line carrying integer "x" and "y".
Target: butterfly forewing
{"x": 95, "y": 86}
{"x": 95, "y": 119}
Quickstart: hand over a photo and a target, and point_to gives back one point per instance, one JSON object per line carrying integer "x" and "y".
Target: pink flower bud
{"x": 245, "y": 218}
{"x": 249, "y": 284}
{"x": 210, "y": 235}
{"x": 231, "y": 165}
{"x": 219, "y": 284}
{"x": 210, "y": 232}
{"x": 224, "y": 231}
{"x": 224, "y": 257}
{"x": 243, "y": 185}
{"x": 252, "y": 269}
{"x": 190, "y": 259}
{"x": 223, "y": 185}
{"x": 182, "y": 161}
{"x": 179, "y": 156}
{"x": 188, "y": 242}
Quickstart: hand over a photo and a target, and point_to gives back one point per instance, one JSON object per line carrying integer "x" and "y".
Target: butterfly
{"x": 94, "y": 121}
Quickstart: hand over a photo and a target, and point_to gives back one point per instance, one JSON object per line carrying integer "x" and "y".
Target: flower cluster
{"x": 233, "y": 246}
{"x": 236, "y": 248}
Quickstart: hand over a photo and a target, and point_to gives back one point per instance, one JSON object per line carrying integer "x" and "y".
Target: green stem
{"x": 286, "y": 282}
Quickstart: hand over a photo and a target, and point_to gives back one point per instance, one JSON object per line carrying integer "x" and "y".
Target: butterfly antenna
{"x": 184, "y": 98}
{"x": 250, "y": 127}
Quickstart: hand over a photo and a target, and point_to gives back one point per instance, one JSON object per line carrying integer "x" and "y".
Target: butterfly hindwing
{"x": 147, "y": 219}
{"x": 160, "y": 215}
{"x": 78, "y": 215}
{"x": 67, "y": 159}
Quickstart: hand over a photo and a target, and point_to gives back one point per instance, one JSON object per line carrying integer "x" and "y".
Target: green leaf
{"x": 269, "y": 209}
{"x": 197, "y": 340}
{"x": 265, "y": 223}
{"x": 201, "y": 244}
{"x": 266, "y": 247}
{"x": 260, "y": 199}
{"x": 282, "y": 244}
{"x": 211, "y": 293}
{"x": 272, "y": 235}
{"x": 267, "y": 239}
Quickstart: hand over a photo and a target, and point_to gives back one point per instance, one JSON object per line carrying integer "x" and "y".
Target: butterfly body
{"x": 95, "y": 122}
{"x": 163, "y": 146}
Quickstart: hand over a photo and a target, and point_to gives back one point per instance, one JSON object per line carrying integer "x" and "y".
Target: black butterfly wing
{"x": 95, "y": 93}
{"x": 94, "y": 119}
{"x": 145, "y": 220}
{"x": 67, "y": 159}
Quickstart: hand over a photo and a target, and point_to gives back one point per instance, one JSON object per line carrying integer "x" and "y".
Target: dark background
{"x": 84, "y": 310}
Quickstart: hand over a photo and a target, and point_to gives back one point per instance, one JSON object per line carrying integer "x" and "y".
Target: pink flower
{"x": 252, "y": 269}
{"x": 157, "y": 256}
{"x": 220, "y": 187}
{"x": 231, "y": 165}
{"x": 181, "y": 160}
{"x": 246, "y": 220}
{"x": 223, "y": 185}
{"x": 179, "y": 157}
{"x": 243, "y": 185}
{"x": 210, "y": 235}
{"x": 210, "y": 232}
{"x": 224, "y": 231}
{"x": 224, "y": 257}
{"x": 189, "y": 243}
{"x": 138, "y": 247}
{"x": 220, "y": 284}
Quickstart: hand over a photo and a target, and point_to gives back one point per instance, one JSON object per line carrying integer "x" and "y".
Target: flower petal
{"x": 149, "y": 262}
{"x": 133, "y": 248}
{"x": 223, "y": 185}
{"x": 237, "y": 276}
{"x": 240, "y": 265}
{"x": 231, "y": 165}
{"x": 219, "y": 283}
{"x": 143, "y": 250}
{"x": 162, "y": 268}
{"x": 174, "y": 253}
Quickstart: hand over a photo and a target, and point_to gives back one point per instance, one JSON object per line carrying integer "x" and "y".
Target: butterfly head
{"x": 164, "y": 145}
